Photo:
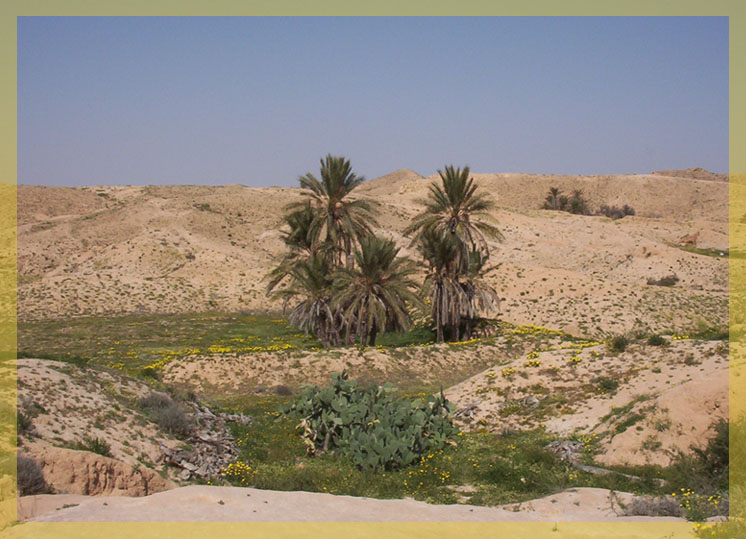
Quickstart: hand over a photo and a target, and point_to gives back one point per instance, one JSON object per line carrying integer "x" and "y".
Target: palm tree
{"x": 480, "y": 296}
{"x": 373, "y": 296}
{"x": 552, "y": 202}
{"x": 577, "y": 202}
{"x": 445, "y": 294}
{"x": 457, "y": 208}
{"x": 339, "y": 221}
{"x": 300, "y": 241}
{"x": 310, "y": 281}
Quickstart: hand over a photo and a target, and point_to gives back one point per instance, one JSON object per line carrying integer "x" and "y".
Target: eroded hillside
{"x": 125, "y": 249}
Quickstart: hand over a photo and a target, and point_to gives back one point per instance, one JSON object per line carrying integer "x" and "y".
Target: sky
{"x": 258, "y": 101}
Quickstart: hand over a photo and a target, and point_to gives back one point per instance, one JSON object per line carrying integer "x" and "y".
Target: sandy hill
{"x": 129, "y": 249}
{"x": 138, "y": 249}
{"x": 695, "y": 173}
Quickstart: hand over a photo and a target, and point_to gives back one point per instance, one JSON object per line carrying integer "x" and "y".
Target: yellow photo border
{"x": 11, "y": 9}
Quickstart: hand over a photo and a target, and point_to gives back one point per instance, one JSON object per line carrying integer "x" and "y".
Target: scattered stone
{"x": 566, "y": 449}
{"x": 530, "y": 401}
{"x": 212, "y": 445}
{"x": 469, "y": 410}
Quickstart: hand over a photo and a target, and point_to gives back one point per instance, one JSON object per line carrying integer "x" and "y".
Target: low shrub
{"x": 24, "y": 423}
{"x": 700, "y": 479}
{"x": 30, "y": 479}
{"x": 95, "y": 445}
{"x": 619, "y": 343}
{"x": 167, "y": 414}
{"x": 155, "y": 401}
{"x": 371, "y": 426}
{"x": 607, "y": 384}
{"x": 614, "y": 212}
{"x": 668, "y": 280}
{"x": 656, "y": 340}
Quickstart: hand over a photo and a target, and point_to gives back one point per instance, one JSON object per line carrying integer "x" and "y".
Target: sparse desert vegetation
{"x": 532, "y": 352}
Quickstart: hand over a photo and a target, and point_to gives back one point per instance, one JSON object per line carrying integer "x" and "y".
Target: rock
{"x": 187, "y": 465}
{"x": 690, "y": 239}
{"x": 566, "y": 449}
{"x": 530, "y": 401}
{"x": 469, "y": 410}
{"x": 82, "y": 472}
{"x": 213, "y": 446}
{"x": 238, "y": 418}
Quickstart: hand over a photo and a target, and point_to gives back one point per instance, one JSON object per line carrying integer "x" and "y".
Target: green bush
{"x": 371, "y": 426}
{"x": 24, "y": 423}
{"x": 95, "y": 445}
{"x": 701, "y": 479}
{"x": 619, "y": 343}
{"x": 604, "y": 383}
{"x": 656, "y": 340}
{"x": 668, "y": 280}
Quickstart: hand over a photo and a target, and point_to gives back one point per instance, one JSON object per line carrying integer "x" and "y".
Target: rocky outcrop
{"x": 690, "y": 239}
{"x": 82, "y": 472}
{"x": 211, "y": 445}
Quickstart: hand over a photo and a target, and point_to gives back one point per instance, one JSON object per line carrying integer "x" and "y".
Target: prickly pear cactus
{"x": 370, "y": 425}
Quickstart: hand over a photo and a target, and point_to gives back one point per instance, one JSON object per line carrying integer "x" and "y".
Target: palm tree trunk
{"x": 373, "y": 333}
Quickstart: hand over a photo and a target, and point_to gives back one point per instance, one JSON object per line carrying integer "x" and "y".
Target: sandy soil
{"x": 677, "y": 391}
{"x": 109, "y": 250}
{"x": 216, "y": 504}
{"x": 68, "y": 404}
{"x": 125, "y": 249}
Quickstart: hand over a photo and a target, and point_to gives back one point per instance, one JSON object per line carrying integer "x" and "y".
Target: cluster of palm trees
{"x": 576, "y": 203}
{"x": 349, "y": 285}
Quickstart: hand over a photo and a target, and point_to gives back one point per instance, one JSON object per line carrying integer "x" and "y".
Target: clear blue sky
{"x": 258, "y": 101}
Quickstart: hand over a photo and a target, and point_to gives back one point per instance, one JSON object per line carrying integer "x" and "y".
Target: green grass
{"x": 507, "y": 468}
{"x": 133, "y": 342}
{"x": 706, "y": 252}
{"x": 418, "y": 335}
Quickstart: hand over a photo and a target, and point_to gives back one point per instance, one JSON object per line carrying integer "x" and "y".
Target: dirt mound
{"x": 81, "y": 472}
{"x": 37, "y": 203}
{"x": 67, "y": 405}
{"x": 399, "y": 181}
{"x": 675, "y": 420}
{"x": 695, "y": 173}
{"x": 640, "y": 406}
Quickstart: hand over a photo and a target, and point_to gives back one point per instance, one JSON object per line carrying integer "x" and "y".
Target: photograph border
{"x": 12, "y": 9}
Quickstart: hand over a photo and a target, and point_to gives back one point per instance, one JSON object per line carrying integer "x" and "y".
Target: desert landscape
{"x": 154, "y": 367}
